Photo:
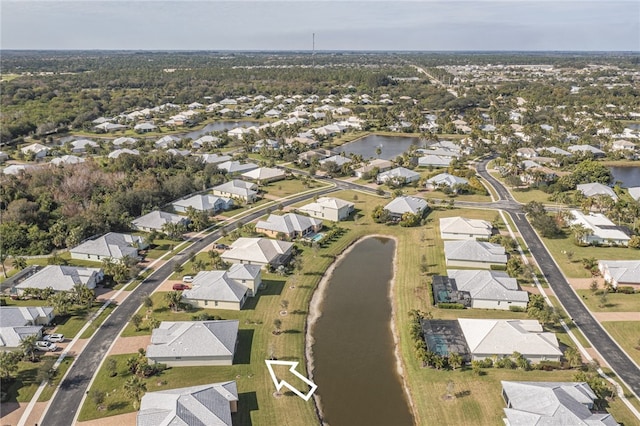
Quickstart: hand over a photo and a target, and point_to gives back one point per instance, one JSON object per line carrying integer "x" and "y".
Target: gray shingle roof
{"x": 216, "y": 286}
{"x": 17, "y": 316}
{"x": 157, "y": 219}
{"x": 488, "y": 285}
{"x": 60, "y": 277}
{"x": 474, "y": 251}
{"x": 288, "y": 223}
{"x": 193, "y": 339}
{"x": 10, "y": 337}
{"x": 406, "y": 204}
{"x": 112, "y": 245}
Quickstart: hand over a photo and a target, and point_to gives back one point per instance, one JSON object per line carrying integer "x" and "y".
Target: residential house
{"x": 623, "y": 145}
{"x": 595, "y": 188}
{"x": 214, "y": 158}
{"x": 237, "y": 190}
{"x": 61, "y": 278}
{"x": 3, "y": 156}
{"x": 37, "y": 149}
{"x": 406, "y": 204}
{"x": 552, "y": 403}
{"x": 210, "y": 404}
{"x": 81, "y": 145}
{"x": 586, "y": 149}
{"x": 203, "y": 202}
{"x": 621, "y": 272}
{"x": 206, "y": 140}
{"x": 598, "y": 229}
{"x": 398, "y": 176}
{"x": 634, "y": 192}
{"x": 109, "y": 127}
{"x": 118, "y": 152}
{"x": 194, "y": 343}
{"x": 264, "y": 175}
{"x": 145, "y": 127}
{"x": 259, "y": 251}
{"x": 553, "y": 150}
{"x": 235, "y": 167}
{"x": 487, "y": 338}
{"x": 460, "y": 228}
{"x": 224, "y": 289}
{"x": 289, "y": 226}
{"x": 11, "y": 336}
{"x": 526, "y": 152}
{"x": 445, "y": 180}
{"x": 21, "y": 316}
{"x": 167, "y": 141}
{"x": 156, "y": 220}
{"x": 339, "y": 160}
{"x": 16, "y": 169}
{"x": 489, "y": 289}
{"x": 474, "y": 254}
{"x": 430, "y": 160}
{"x": 67, "y": 160}
{"x": 329, "y": 208}
{"x": 113, "y": 245}
{"x": 375, "y": 164}
{"x": 124, "y": 140}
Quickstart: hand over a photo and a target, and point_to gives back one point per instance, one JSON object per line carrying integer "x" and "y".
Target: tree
{"x": 134, "y": 388}
{"x": 9, "y": 364}
{"x": 573, "y": 357}
{"x": 147, "y": 302}
{"x": 603, "y": 300}
{"x": 634, "y": 242}
{"x": 83, "y": 295}
{"x": 284, "y": 304}
{"x": 153, "y": 322}
{"x": 136, "y": 320}
{"x": 380, "y": 214}
{"x": 173, "y": 299}
{"x": 28, "y": 347}
{"x": 455, "y": 360}
{"x": 19, "y": 263}
{"x": 277, "y": 323}
{"x": 593, "y": 286}
{"x": 514, "y": 266}
{"x": 111, "y": 365}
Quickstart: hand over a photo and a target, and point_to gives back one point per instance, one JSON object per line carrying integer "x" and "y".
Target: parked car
{"x": 187, "y": 279}
{"x": 44, "y": 346}
{"x": 55, "y": 337}
{"x": 180, "y": 287}
{"x": 222, "y": 247}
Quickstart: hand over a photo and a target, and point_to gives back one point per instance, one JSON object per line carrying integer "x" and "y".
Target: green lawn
{"x": 28, "y": 378}
{"x": 615, "y": 302}
{"x": 627, "y": 334}
{"x": 288, "y": 187}
{"x": 48, "y": 391}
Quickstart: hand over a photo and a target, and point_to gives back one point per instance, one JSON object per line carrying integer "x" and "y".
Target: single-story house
{"x": 552, "y": 403}
{"x": 234, "y": 167}
{"x": 210, "y": 404}
{"x": 67, "y": 160}
{"x": 206, "y": 140}
{"x": 474, "y": 254}
{"x": 461, "y": 228}
{"x": 399, "y": 175}
{"x": 291, "y": 225}
{"x": 406, "y": 204}
{"x": 623, "y": 145}
{"x": 258, "y": 251}
{"x": 489, "y": 289}
{"x": 124, "y": 140}
{"x": 583, "y": 149}
{"x": 10, "y": 337}
{"x": 155, "y": 220}
{"x": 224, "y": 289}
{"x": 621, "y": 272}
{"x": 595, "y": 188}
{"x": 81, "y": 145}
{"x": 118, "y": 152}
{"x": 20, "y": 316}
{"x": 329, "y": 208}
{"x": 599, "y": 229}
{"x": 113, "y": 246}
{"x": 61, "y": 278}
{"x": 145, "y": 127}
{"x": 377, "y": 164}
{"x": 194, "y": 343}
{"x": 215, "y": 158}
{"x": 264, "y": 175}
{"x": 37, "y": 149}
{"x": 237, "y": 189}
{"x": 634, "y": 192}
{"x": 339, "y": 160}
{"x": 445, "y": 180}
{"x": 489, "y": 337}
{"x": 526, "y": 152}
{"x": 203, "y": 202}
{"x": 430, "y": 160}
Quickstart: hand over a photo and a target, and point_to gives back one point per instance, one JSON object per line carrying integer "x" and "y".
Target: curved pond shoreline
{"x": 315, "y": 313}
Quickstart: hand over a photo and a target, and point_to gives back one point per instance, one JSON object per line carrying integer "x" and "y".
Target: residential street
{"x": 623, "y": 366}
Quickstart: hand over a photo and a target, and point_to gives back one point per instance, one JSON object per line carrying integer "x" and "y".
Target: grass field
{"x": 627, "y": 334}
{"x": 29, "y": 376}
{"x": 524, "y": 195}
{"x": 615, "y": 302}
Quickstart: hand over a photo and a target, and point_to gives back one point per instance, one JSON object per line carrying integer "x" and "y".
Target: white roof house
{"x": 215, "y": 289}
{"x": 434, "y": 161}
{"x": 81, "y": 145}
{"x": 61, "y": 278}
{"x": 37, "y": 149}
{"x": 489, "y": 289}
{"x": 338, "y": 159}
{"x": 166, "y": 141}
{"x": 552, "y": 403}
{"x": 329, "y": 208}
{"x": 258, "y": 251}
{"x": 291, "y": 225}
{"x": 214, "y": 158}
{"x": 203, "y": 202}
{"x": 210, "y": 404}
{"x": 623, "y": 145}
{"x": 381, "y": 165}
{"x": 474, "y": 254}
{"x": 488, "y": 337}
{"x": 406, "y": 204}
{"x": 145, "y": 127}
{"x": 398, "y": 175}
{"x": 595, "y": 188}
{"x": 264, "y": 174}
{"x": 156, "y": 219}
{"x": 445, "y": 179}
{"x": 10, "y": 337}
{"x": 109, "y": 246}
{"x": 236, "y": 167}
{"x": 583, "y": 149}
{"x": 620, "y": 272}
{"x": 16, "y": 169}
{"x": 460, "y": 228}
{"x": 194, "y": 343}
{"x": 600, "y": 229}
{"x": 237, "y": 189}
{"x": 124, "y": 140}
{"x": 20, "y": 316}
{"x": 66, "y": 160}
{"x": 634, "y": 192}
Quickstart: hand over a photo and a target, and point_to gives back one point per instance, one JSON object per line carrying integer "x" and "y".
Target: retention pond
{"x": 352, "y": 344}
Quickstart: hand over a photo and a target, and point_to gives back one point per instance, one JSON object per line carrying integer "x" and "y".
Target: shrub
{"x": 450, "y": 306}
{"x": 517, "y": 309}
{"x": 625, "y": 289}
{"x": 498, "y": 267}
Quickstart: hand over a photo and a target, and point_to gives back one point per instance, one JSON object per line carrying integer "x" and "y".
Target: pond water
{"x": 353, "y": 349}
{"x": 629, "y": 176}
{"x": 391, "y": 146}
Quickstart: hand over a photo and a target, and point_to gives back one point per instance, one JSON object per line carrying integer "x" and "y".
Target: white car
{"x": 41, "y": 345}
{"x": 56, "y": 337}
{"x": 187, "y": 279}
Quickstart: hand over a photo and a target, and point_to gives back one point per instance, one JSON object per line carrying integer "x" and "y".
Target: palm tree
{"x": 455, "y": 360}
{"x": 173, "y": 298}
{"x": 28, "y": 347}
{"x": 134, "y": 388}
{"x": 19, "y": 263}
{"x": 83, "y": 295}
{"x": 60, "y": 302}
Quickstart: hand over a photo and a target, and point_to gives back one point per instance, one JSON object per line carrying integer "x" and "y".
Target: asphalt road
{"x": 621, "y": 364}
{"x": 67, "y": 400}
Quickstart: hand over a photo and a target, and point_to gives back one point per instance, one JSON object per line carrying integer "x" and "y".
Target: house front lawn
{"x": 627, "y": 335}
{"x": 615, "y": 302}
{"x": 27, "y": 379}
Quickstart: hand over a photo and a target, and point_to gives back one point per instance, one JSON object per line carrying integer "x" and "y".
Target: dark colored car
{"x": 222, "y": 247}
{"x": 180, "y": 287}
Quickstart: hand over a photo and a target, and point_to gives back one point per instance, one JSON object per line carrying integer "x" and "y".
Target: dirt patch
{"x": 122, "y": 419}
{"x": 130, "y": 345}
{"x": 617, "y": 316}
{"x": 585, "y": 283}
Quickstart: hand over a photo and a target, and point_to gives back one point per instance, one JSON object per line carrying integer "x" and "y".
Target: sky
{"x": 421, "y": 25}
